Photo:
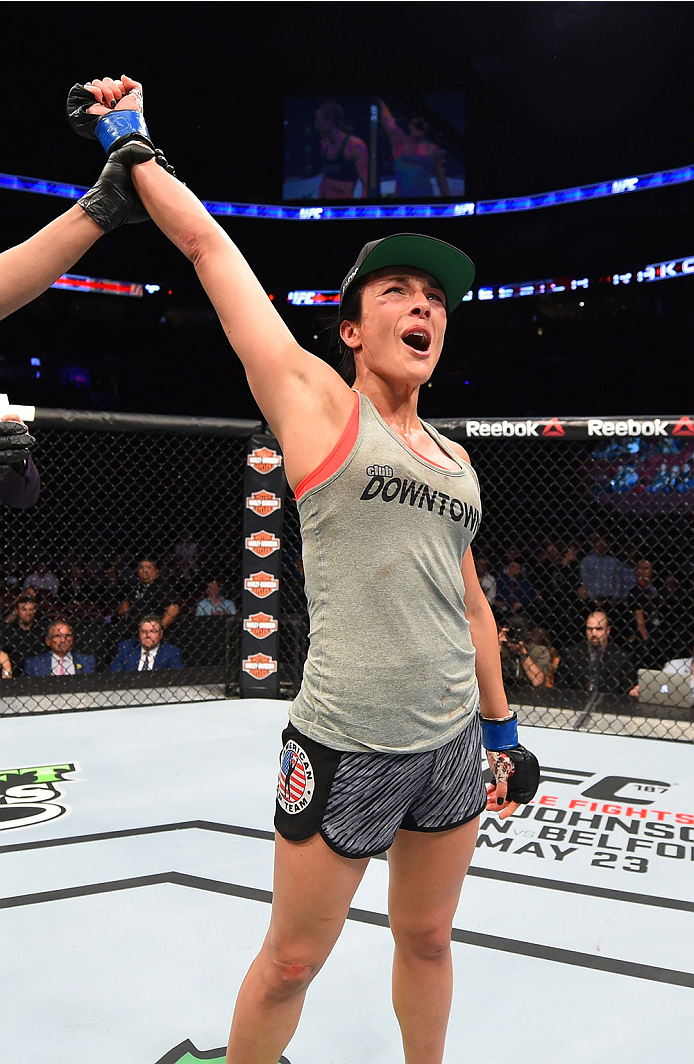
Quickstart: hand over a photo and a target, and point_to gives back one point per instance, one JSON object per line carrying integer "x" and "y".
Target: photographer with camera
{"x": 520, "y": 665}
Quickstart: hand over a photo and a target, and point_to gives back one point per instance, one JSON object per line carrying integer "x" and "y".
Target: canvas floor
{"x": 137, "y": 874}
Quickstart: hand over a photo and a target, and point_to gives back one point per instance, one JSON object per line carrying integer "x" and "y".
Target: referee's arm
{"x": 30, "y": 268}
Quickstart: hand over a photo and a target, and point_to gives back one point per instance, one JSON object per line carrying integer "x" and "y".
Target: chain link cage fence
{"x": 584, "y": 553}
{"x": 134, "y": 546}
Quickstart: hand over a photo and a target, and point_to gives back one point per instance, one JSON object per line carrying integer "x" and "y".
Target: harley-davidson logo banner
{"x": 264, "y": 490}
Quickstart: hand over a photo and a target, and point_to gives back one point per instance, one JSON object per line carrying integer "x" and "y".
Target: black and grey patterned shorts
{"x": 359, "y": 801}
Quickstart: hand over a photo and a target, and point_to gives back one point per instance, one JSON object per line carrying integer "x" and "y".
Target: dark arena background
{"x": 563, "y": 134}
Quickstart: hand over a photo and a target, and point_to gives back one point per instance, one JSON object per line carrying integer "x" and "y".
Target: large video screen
{"x": 349, "y": 148}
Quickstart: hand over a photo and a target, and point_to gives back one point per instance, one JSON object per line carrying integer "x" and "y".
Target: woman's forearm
{"x": 174, "y": 208}
{"x": 493, "y": 701}
{"x": 389, "y": 123}
{"x": 30, "y": 268}
{"x": 250, "y": 321}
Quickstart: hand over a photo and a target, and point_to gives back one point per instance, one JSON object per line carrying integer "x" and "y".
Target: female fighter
{"x": 382, "y": 752}
{"x": 417, "y": 159}
{"x": 345, "y": 158}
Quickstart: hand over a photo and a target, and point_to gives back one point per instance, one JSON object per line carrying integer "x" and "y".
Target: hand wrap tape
{"x": 114, "y": 127}
{"x": 499, "y": 735}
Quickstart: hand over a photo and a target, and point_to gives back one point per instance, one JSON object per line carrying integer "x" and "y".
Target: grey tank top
{"x": 391, "y": 665}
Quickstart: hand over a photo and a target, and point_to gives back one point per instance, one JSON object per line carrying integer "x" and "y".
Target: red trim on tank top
{"x": 336, "y": 457}
{"x": 340, "y": 452}
{"x": 445, "y": 468}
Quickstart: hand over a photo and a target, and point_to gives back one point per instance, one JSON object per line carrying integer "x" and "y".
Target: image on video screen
{"x": 349, "y": 148}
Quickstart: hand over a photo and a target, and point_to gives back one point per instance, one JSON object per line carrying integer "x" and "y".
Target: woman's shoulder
{"x": 459, "y": 450}
{"x": 353, "y": 144}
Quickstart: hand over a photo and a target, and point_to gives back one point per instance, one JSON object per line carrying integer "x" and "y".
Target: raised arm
{"x": 30, "y": 268}
{"x": 391, "y": 127}
{"x": 303, "y": 399}
{"x": 305, "y": 402}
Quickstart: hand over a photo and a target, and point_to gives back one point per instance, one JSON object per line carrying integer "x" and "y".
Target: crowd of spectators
{"x": 97, "y": 613}
{"x": 586, "y": 619}
{"x": 639, "y": 466}
{"x": 569, "y": 616}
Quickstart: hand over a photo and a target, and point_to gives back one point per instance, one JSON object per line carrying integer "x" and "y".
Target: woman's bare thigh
{"x": 312, "y": 893}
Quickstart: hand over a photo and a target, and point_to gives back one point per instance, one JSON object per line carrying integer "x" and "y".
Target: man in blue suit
{"x": 61, "y": 659}
{"x": 147, "y": 651}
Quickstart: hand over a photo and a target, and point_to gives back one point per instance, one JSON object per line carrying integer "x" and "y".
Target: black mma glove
{"x": 113, "y": 200}
{"x": 15, "y": 445}
{"x": 509, "y": 761}
{"x": 111, "y": 130}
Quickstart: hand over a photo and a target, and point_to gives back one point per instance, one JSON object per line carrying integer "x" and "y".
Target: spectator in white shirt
{"x": 186, "y": 556}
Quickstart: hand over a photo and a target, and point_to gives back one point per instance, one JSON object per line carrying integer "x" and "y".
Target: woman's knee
{"x": 283, "y": 979}
{"x": 427, "y": 942}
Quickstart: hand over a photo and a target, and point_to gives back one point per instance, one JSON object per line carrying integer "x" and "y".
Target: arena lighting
{"x": 313, "y": 299}
{"x": 459, "y": 210}
{"x": 73, "y": 282}
{"x": 659, "y": 271}
{"x": 600, "y": 190}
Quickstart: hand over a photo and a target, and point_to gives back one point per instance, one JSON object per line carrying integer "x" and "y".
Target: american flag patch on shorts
{"x": 296, "y": 781}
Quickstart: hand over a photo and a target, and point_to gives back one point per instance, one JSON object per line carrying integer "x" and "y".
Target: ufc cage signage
{"x": 264, "y": 494}
{"x": 560, "y": 428}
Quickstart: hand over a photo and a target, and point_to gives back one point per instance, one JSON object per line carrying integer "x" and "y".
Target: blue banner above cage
{"x": 360, "y": 210}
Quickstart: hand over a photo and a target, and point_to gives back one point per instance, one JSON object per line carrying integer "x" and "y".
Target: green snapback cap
{"x": 451, "y": 267}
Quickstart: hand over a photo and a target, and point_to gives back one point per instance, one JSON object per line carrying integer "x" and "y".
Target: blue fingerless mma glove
{"x": 112, "y": 130}
{"x": 501, "y": 736}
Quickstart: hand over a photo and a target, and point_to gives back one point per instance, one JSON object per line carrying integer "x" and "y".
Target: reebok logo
{"x": 553, "y": 427}
{"x": 684, "y": 427}
{"x": 629, "y": 427}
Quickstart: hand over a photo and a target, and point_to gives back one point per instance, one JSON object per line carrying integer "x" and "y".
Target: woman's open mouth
{"x": 418, "y": 339}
